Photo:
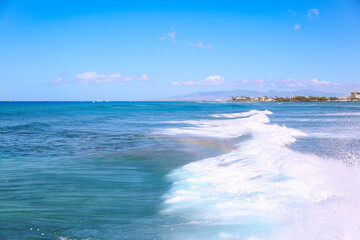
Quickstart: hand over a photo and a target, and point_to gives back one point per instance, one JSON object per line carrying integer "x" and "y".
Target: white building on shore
{"x": 355, "y": 95}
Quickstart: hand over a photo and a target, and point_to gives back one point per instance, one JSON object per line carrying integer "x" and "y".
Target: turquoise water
{"x": 179, "y": 170}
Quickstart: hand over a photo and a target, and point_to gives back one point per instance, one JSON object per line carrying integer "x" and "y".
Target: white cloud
{"x": 200, "y": 44}
{"x": 98, "y": 78}
{"x": 213, "y": 80}
{"x": 94, "y": 77}
{"x": 249, "y": 82}
{"x": 59, "y": 80}
{"x": 142, "y": 77}
{"x": 292, "y": 83}
{"x": 124, "y": 79}
{"x": 171, "y": 36}
{"x": 219, "y": 80}
{"x": 313, "y": 13}
{"x": 209, "y": 81}
{"x": 308, "y": 83}
{"x": 316, "y": 82}
{"x": 297, "y": 27}
{"x": 288, "y": 83}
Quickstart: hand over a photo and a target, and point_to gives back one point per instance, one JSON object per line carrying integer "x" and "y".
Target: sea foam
{"x": 263, "y": 184}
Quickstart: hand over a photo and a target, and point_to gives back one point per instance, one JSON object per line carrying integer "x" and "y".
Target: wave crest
{"x": 260, "y": 183}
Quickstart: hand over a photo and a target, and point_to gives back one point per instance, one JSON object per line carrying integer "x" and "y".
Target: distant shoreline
{"x": 301, "y": 98}
{"x": 199, "y": 101}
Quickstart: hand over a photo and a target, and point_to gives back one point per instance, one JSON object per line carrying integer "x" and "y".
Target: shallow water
{"x": 179, "y": 170}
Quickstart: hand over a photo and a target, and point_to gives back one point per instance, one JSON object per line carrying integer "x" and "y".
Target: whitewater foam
{"x": 241, "y": 114}
{"x": 264, "y": 183}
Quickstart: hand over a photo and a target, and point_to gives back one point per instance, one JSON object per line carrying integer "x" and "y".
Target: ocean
{"x": 179, "y": 170}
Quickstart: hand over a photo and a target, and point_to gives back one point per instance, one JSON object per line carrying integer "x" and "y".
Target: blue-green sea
{"x": 179, "y": 170}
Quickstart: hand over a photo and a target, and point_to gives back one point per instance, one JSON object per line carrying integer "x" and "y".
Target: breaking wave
{"x": 262, "y": 189}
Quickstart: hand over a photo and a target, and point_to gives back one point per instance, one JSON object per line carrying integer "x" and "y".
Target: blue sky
{"x": 135, "y": 50}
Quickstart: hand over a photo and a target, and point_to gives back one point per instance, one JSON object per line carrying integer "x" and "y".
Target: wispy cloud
{"x": 200, "y": 44}
{"x": 292, "y": 12}
{"x": 288, "y": 83}
{"x": 308, "y": 83}
{"x": 209, "y": 81}
{"x": 142, "y": 77}
{"x": 58, "y": 81}
{"x": 220, "y": 81}
{"x": 98, "y": 78}
{"x": 316, "y": 82}
{"x": 251, "y": 82}
{"x": 94, "y": 77}
{"x": 313, "y": 13}
{"x": 245, "y": 81}
{"x": 297, "y": 27}
{"x": 171, "y": 35}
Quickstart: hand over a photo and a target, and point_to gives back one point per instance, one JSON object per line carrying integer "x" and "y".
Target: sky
{"x": 143, "y": 50}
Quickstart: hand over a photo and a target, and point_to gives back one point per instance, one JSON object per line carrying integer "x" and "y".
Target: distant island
{"x": 353, "y": 97}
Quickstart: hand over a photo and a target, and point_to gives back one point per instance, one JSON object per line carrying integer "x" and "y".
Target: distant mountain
{"x": 226, "y": 95}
